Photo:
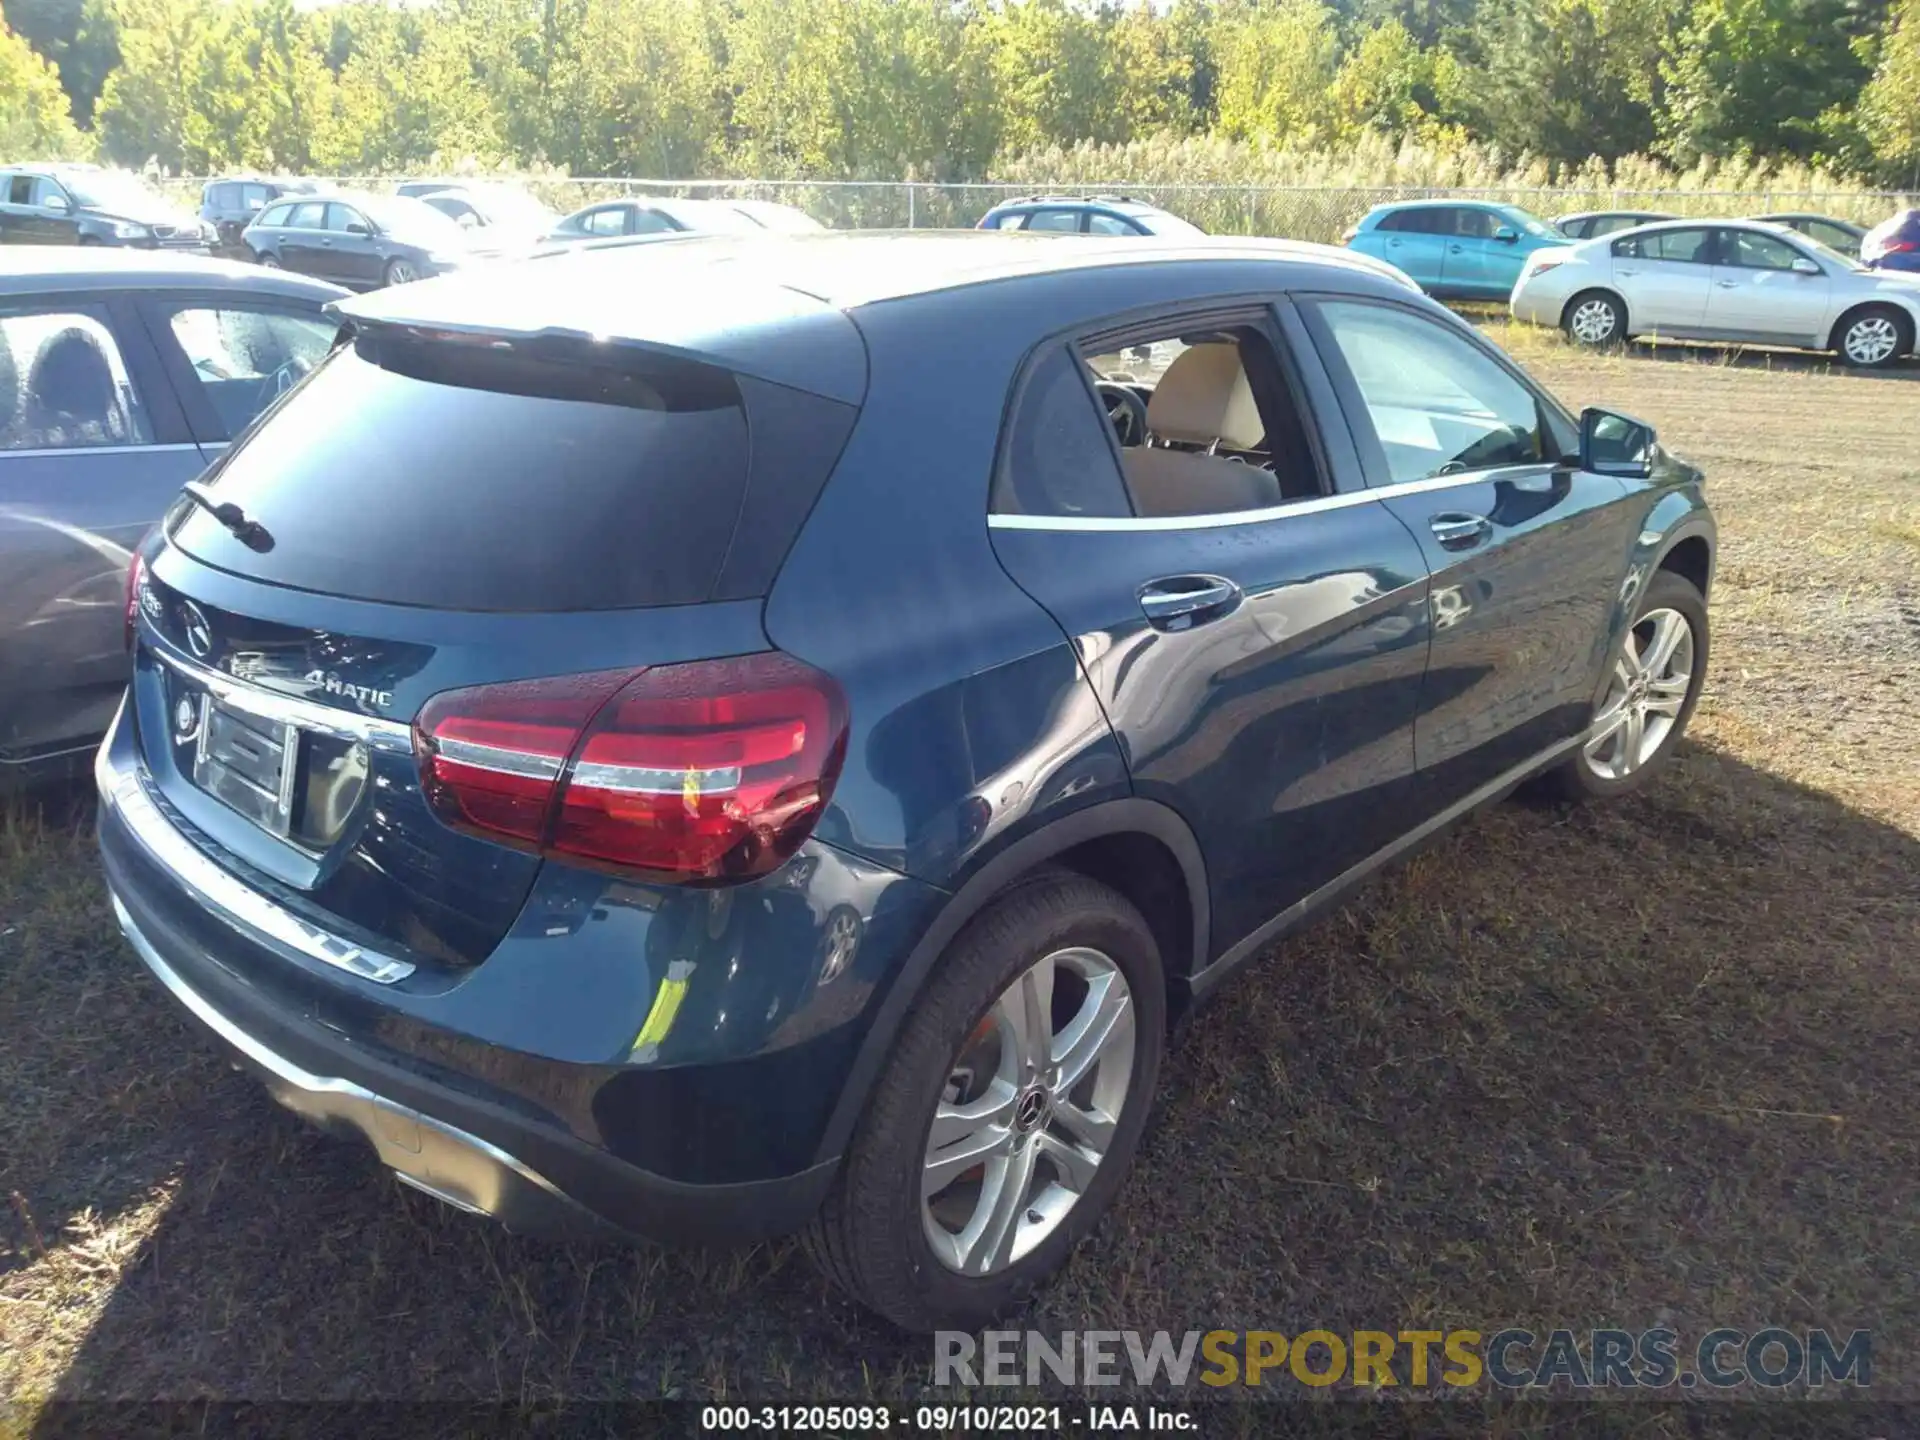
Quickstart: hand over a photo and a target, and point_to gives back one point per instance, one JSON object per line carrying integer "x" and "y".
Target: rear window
{"x": 458, "y": 476}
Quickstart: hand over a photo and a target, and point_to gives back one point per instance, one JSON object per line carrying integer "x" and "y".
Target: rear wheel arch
{"x": 1123, "y": 843}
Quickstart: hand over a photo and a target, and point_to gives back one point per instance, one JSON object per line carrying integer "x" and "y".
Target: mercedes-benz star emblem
{"x": 199, "y": 633}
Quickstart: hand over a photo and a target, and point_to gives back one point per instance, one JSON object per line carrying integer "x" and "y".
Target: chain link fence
{"x": 1295, "y": 212}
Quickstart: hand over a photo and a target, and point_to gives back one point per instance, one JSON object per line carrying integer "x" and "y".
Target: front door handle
{"x": 1455, "y": 249}
{"x": 1457, "y": 530}
{"x": 1625, "y": 274}
{"x": 1180, "y": 602}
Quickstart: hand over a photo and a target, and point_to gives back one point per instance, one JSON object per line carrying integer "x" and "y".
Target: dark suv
{"x": 229, "y": 206}
{"x": 740, "y": 736}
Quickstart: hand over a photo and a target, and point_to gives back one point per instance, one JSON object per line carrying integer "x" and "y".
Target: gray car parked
{"x": 122, "y": 374}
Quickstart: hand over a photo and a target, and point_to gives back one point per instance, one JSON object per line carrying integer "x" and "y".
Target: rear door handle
{"x": 1457, "y": 530}
{"x": 1180, "y": 602}
{"x": 1728, "y": 284}
{"x": 1625, "y": 274}
{"x": 1455, "y": 249}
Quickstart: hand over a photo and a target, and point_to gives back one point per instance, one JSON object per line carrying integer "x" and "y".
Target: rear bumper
{"x": 447, "y": 1131}
{"x": 1535, "y": 306}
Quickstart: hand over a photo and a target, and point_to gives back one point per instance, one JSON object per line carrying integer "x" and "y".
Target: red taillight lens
{"x": 1899, "y": 247}
{"x": 136, "y": 572}
{"x": 712, "y": 771}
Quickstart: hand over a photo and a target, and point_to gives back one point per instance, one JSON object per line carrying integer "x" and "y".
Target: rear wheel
{"x": 1647, "y": 697}
{"x": 1595, "y": 318}
{"x": 1872, "y": 337}
{"x": 270, "y": 261}
{"x": 400, "y": 272}
{"x": 1009, "y": 1113}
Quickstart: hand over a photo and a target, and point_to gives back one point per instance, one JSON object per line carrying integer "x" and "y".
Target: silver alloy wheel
{"x": 1029, "y": 1112}
{"x": 1592, "y": 321}
{"x": 401, "y": 272}
{"x": 1870, "y": 340}
{"x": 1648, "y": 686}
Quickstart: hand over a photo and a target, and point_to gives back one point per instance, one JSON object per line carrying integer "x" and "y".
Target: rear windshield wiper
{"x": 246, "y": 530}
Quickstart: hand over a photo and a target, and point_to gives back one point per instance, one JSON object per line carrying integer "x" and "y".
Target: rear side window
{"x": 457, "y": 477}
{"x": 276, "y": 216}
{"x": 1693, "y": 247}
{"x": 1427, "y": 221}
{"x": 63, "y": 385}
{"x": 1065, "y": 222}
{"x": 308, "y": 215}
{"x": 1057, "y": 459}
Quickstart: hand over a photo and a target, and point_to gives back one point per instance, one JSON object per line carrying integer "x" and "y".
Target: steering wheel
{"x": 1126, "y": 411}
{"x": 285, "y": 376}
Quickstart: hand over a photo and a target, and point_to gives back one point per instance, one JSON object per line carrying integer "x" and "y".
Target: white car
{"x": 1740, "y": 280}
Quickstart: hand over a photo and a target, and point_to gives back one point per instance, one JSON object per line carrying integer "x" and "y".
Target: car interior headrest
{"x": 1203, "y": 397}
{"x": 71, "y": 389}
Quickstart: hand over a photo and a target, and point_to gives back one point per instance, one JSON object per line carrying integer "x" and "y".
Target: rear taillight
{"x": 136, "y": 572}
{"x": 711, "y": 771}
{"x": 1899, "y": 247}
{"x": 1346, "y": 236}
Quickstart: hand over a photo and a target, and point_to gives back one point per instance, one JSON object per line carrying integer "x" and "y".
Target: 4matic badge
{"x": 326, "y": 680}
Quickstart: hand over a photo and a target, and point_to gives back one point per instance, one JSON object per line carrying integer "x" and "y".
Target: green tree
{"x": 35, "y": 119}
{"x": 75, "y": 35}
{"x": 1386, "y": 82}
{"x": 1567, "y": 79}
{"x": 1889, "y": 111}
{"x": 1756, "y": 77}
{"x": 1276, "y": 64}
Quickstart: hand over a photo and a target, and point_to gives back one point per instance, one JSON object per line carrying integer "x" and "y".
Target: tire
{"x": 1605, "y": 767}
{"x": 875, "y": 1236}
{"x": 400, "y": 272}
{"x": 91, "y": 240}
{"x": 270, "y": 261}
{"x": 1595, "y": 318}
{"x": 1872, "y": 337}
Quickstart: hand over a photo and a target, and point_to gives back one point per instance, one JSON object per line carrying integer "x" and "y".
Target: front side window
{"x": 1475, "y": 224}
{"x": 245, "y": 359}
{"x": 610, "y": 221}
{"x": 1109, "y": 225}
{"x": 1436, "y": 402}
{"x": 1608, "y": 224}
{"x": 343, "y": 217}
{"x": 1833, "y": 236}
{"x": 1059, "y": 222}
{"x": 649, "y": 222}
{"x": 63, "y": 385}
{"x": 1751, "y": 250}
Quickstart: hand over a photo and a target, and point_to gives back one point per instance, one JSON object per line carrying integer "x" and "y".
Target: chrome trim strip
{"x": 171, "y": 447}
{"x": 498, "y": 759}
{"x": 1344, "y": 500}
{"x": 224, "y": 895}
{"x": 643, "y": 780}
{"x": 286, "y": 1071}
{"x": 269, "y": 705}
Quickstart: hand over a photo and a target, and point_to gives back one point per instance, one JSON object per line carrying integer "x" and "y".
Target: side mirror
{"x": 358, "y": 227}
{"x": 1804, "y": 266}
{"x": 1612, "y": 444}
{"x": 1506, "y": 235}
{"x": 469, "y": 221}
{"x": 59, "y": 204}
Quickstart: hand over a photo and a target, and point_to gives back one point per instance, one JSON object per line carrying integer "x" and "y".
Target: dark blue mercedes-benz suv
{"x": 736, "y": 736}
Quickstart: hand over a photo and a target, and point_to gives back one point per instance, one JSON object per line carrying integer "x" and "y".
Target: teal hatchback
{"x": 1469, "y": 249}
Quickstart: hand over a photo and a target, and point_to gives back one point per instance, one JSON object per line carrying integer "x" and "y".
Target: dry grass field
{"x": 1574, "y": 1067}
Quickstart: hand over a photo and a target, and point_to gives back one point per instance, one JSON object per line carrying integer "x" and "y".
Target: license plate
{"x": 247, "y": 763}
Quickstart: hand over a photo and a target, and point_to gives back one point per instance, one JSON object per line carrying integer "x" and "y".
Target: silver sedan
{"x": 1726, "y": 280}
